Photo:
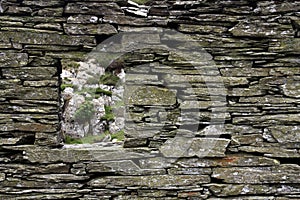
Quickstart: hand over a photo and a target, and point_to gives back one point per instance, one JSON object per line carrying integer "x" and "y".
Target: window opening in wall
{"x": 87, "y": 109}
{"x": 132, "y": 93}
{"x": 98, "y": 102}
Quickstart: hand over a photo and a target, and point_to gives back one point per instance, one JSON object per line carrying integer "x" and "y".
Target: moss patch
{"x": 141, "y": 1}
{"x": 120, "y": 135}
{"x": 85, "y": 140}
{"x": 105, "y": 92}
{"x": 64, "y": 86}
{"x": 109, "y": 116}
{"x": 109, "y": 79}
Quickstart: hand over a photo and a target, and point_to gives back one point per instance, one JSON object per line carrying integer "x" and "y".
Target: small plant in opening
{"x": 109, "y": 79}
{"x": 85, "y": 114}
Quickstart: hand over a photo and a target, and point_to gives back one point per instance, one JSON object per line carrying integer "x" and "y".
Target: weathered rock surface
{"x": 209, "y": 110}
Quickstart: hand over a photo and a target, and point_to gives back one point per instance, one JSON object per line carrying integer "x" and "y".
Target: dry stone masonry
{"x": 219, "y": 118}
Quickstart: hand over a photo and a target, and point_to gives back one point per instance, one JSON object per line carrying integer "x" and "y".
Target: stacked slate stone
{"x": 174, "y": 146}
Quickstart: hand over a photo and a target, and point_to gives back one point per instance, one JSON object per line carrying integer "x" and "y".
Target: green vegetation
{"x": 105, "y": 92}
{"x": 64, "y": 86}
{"x": 109, "y": 116}
{"x": 109, "y": 79}
{"x": 120, "y": 135}
{"x": 85, "y": 140}
{"x": 141, "y": 1}
{"x": 85, "y": 112}
{"x": 71, "y": 65}
{"x": 70, "y": 140}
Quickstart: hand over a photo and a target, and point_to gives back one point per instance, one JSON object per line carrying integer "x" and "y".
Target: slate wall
{"x": 255, "y": 46}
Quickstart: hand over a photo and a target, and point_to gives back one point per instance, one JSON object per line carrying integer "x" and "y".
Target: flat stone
{"x": 223, "y": 190}
{"x": 18, "y": 10}
{"x": 46, "y": 38}
{"x": 268, "y": 100}
{"x": 28, "y": 93}
{"x": 142, "y": 79}
{"x": 189, "y": 147}
{"x": 30, "y": 30}
{"x": 285, "y": 173}
{"x": 126, "y": 167}
{"x": 244, "y": 72}
{"x": 10, "y": 141}
{"x": 2, "y": 177}
{"x": 157, "y": 162}
{"x": 276, "y": 152}
{"x": 30, "y": 73}
{"x": 9, "y": 83}
{"x": 156, "y": 181}
{"x": 29, "y": 118}
{"x": 195, "y": 105}
{"x": 57, "y": 177}
{"x": 46, "y": 139}
{"x": 235, "y": 81}
{"x": 90, "y": 29}
{"x": 76, "y": 153}
{"x": 93, "y": 8}
{"x": 31, "y": 19}
{"x": 51, "y": 12}
{"x": 228, "y": 161}
{"x": 216, "y": 18}
{"x": 126, "y": 20}
{"x": 292, "y": 88}
{"x": 83, "y": 19}
{"x": 267, "y": 120}
{"x": 285, "y": 134}
{"x": 27, "y": 184}
{"x": 281, "y": 71}
{"x": 45, "y": 83}
{"x": 49, "y": 26}
{"x": 261, "y": 29}
{"x": 189, "y": 171}
{"x": 29, "y": 127}
{"x": 149, "y": 95}
{"x": 247, "y": 92}
{"x": 248, "y": 198}
{"x": 64, "y": 195}
{"x": 187, "y": 28}
{"x": 269, "y": 7}
{"x": 29, "y": 169}
{"x": 152, "y": 193}
{"x": 287, "y": 45}
{"x": 248, "y": 139}
{"x": 43, "y": 61}
{"x": 8, "y": 59}
{"x": 135, "y": 142}
{"x": 42, "y": 3}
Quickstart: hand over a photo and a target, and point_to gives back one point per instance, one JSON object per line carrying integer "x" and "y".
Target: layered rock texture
{"x": 207, "y": 96}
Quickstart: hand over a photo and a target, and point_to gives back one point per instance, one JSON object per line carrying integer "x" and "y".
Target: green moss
{"x": 105, "y": 92}
{"x": 141, "y": 1}
{"x": 120, "y": 135}
{"x": 85, "y": 140}
{"x": 71, "y": 65}
{"x": 85, "y": 112}
{"x": 70, "y": 140}
{"x": 64, "y": 86}
{"x": 109, "y": 116}
{"x": 109, "y": 79}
